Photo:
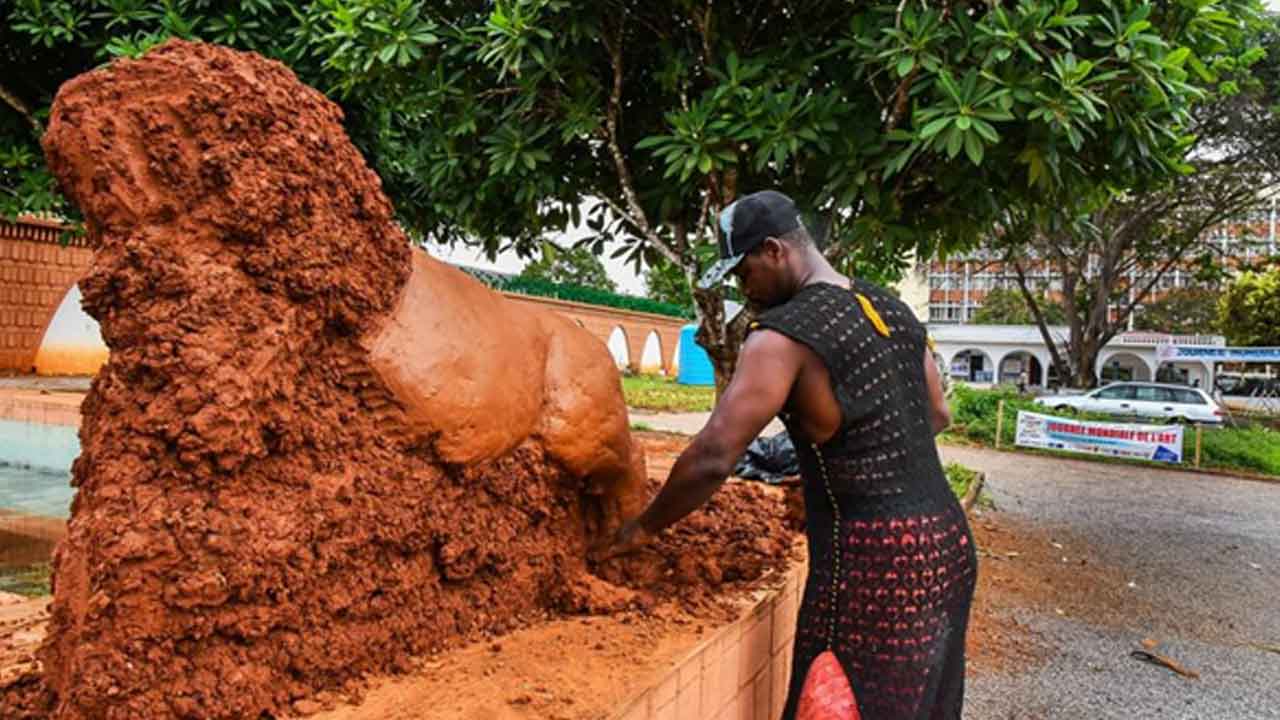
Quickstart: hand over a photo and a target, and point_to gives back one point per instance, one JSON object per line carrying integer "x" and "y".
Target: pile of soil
{"x": 255, "y": 522}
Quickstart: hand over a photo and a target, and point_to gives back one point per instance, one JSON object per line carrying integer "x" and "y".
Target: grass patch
{"x": 654, "y": 392}
{"x": 1253, "y": 449}
{"x": 959, "y": 478}
{"x": 31, "y": 581}
{"x": 1256, "y": 449}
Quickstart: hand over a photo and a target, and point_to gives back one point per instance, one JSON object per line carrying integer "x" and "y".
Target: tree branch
{"x": 22, "y": 109}
{"x": 1054, "y": 354}
{"x": 900, "y": 99}
{"x": 635, "y": 214}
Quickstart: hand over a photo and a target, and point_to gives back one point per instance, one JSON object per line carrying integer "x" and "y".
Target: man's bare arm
{"x": 767, "y": 368}
{"x": 939, "y": 413}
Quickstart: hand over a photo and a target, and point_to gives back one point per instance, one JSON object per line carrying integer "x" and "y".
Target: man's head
{"x": 765, "y": 246}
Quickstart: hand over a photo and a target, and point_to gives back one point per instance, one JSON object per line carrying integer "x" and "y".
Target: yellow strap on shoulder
{"x": 870, "y": 311}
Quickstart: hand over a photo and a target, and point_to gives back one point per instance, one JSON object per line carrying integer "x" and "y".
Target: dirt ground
{"x": 525, "y": 675}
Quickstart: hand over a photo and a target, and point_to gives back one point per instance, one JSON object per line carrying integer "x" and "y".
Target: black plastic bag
{"x": 769, "y": 459}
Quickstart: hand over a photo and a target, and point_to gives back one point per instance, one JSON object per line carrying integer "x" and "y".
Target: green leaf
{"x": 653, "y": 141}
{"x": 955, "y": 140}
{"x": 1177, "y": 57}
{"x": 988, "y": 133}
{"x": 905, "y": 64}
{"x": 973, "y": 148}
{"x": 934, "y": 128}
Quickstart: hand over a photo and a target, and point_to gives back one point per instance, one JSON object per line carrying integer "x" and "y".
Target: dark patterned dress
{"x": 892, "y": 566}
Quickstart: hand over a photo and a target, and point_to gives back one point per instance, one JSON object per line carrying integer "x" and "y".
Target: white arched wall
{"x": 72, "y": 344}
{"x": 1042, "y": 358}
{"x": 618, "y": 347}
{"x": 1144, "y": 371}
{"x": 988, "y": 366}
{"x": 651, "y": 356}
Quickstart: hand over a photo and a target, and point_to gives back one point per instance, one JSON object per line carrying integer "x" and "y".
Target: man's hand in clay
{"x": 628, "y": 539}
{"x": 767, "y": 369}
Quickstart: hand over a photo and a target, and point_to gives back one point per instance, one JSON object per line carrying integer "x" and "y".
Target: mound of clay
{"x": 313, "y": 453}
{"x": 741, "y": 534}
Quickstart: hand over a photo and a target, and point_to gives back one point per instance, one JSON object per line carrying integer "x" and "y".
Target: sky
{"x": 623, "y": 275}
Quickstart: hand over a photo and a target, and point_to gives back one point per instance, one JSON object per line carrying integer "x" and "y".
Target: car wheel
{"x": 1065, "y": 409}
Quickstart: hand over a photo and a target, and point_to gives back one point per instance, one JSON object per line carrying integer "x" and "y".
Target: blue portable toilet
{"x": 695, "y": 365}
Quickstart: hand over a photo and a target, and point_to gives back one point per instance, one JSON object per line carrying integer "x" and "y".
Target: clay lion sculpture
{"x": 314, "y": 452}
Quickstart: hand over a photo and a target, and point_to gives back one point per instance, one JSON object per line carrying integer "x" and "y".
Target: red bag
{"x": 827, "y": 694}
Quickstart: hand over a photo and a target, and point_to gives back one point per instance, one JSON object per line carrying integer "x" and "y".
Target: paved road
{"x": 688, "y": 423}
{"x": 1203, "y": 555}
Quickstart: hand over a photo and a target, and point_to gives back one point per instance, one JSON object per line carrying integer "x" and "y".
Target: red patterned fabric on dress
{"x": 827, "y": 694}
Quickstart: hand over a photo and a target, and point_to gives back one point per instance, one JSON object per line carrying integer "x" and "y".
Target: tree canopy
{"x": 1182, "y": 311}
{"x": 897, "y": 126}
{"x": 665, "y": 282}
{"x": 1007, "y": 307}
{"x": 569, "y": 266}
{"x": 1249, "y": 310}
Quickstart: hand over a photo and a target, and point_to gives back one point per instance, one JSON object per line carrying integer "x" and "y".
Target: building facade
{"x": 957, "y": 287}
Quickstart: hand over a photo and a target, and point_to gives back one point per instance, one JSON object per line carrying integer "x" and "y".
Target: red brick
{"x": 745, "y": 704}
{"x": 761, "y": 700}
{"x": 638, "y": 710}
{"x": 691, "y": 670}
{"x": 729, "y": 711}
{"x": 666, "y": 712}
{"x": 689, "y": 702}
{"x": 779, "y": 681}
{"x": 785, "y": 607}
{"x": 665, "y": 691}
{"x": 729, "y": 668}
{"x": 711, "y": 695}
{"x": 756, "y": 646}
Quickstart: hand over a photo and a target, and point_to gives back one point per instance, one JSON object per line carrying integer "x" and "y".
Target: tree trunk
{"x": 721, "y": 340}
{"x": 1085, "y": 352}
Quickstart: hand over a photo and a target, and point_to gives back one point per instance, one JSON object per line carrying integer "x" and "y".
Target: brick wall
{"x": 600, "y": 321}
{"x": 740, "y": 673}
{"x": 36, "y": 271}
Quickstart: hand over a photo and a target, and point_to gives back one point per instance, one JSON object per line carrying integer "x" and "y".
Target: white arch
{"x": 1142, "y": 370}
{"x": 971, "y": 371}
{"x": 651, "y": 356}
{"x": 675, "y": 358}
{"x": 1000, "y": 374}
{"x": 618, "y": 347}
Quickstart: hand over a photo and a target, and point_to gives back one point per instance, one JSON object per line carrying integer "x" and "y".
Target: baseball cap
{"x": 745, "y": 224}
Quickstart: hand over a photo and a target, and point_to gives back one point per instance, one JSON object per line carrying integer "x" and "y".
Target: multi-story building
{"x": 957, "y": 287}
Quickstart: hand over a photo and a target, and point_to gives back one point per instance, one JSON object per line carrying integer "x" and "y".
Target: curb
{"x": 975, "y": 490}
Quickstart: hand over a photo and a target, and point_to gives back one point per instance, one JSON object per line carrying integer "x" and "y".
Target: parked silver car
{"x": 1155, "y": 401}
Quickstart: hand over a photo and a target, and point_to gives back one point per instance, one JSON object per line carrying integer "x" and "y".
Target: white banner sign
{"x": 1171, "y": 353}
{"x": 1162, "y": 443}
